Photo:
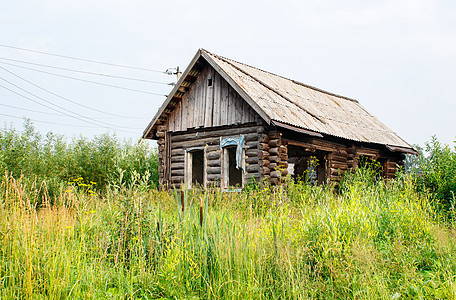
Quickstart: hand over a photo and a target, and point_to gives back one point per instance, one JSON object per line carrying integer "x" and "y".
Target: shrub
{"x": 435, "y": 172}
{"x": 53, "y": 161}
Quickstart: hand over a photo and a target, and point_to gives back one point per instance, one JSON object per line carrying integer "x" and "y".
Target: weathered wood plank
{"x": 209, "y": 116}
{"x": 217, "y": 100}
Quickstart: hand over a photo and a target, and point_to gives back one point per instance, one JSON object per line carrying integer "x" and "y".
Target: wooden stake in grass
{"x": 201, "y": 211}
{"x": 182, "y": 200}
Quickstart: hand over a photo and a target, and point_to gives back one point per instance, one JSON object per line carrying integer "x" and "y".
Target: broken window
{"x": 195, "y": 168}
{"x": 306, "y": 166}
{"x": 233, "y": 162}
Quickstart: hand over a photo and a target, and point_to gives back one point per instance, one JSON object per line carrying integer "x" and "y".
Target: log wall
{"x": 210, "y": 141}
{"x": 340, "y": 157}
{"x": 272, "y": 156}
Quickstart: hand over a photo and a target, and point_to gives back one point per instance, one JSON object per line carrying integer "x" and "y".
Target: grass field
{"x": 370, "y": 240}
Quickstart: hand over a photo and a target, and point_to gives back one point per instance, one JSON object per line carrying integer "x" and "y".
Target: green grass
{"x": 370, "y": 240}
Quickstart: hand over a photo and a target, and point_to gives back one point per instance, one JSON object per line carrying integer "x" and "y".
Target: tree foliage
{"x": 55, "y": 161}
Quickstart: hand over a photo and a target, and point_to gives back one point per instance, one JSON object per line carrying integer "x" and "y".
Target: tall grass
{"x": 373, "y": 239}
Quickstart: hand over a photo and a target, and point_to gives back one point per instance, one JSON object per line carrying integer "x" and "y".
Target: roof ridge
{"x": 292, "y": 80}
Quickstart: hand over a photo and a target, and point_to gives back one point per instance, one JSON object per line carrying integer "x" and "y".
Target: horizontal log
{"x": 263, "y": 146}
{"x": 160, "y": 134}
{"x": 252, "y": 160}
{"x": 274, "y": 151}
{"x": 275, "y": 174}
{"x": 213, "y": 155}
{"x": 251, "y": 152}
{"x": 177, "y": 165}
{"x": 213, "y": 177}
{"x": 251, "y": 145}
{"x": 274, "y": 158}
{"x": 253, "y": 169}
{"x": 337, "y": 157}
{"x": 214, "y": 170}
{"x": 274, "y": 134}
{"x": 213, "y": 162}
{"x": 177, "y": 179}
{"x": 275, "y": 143}
{"x": 196, "y": 142}
{"x": 177, "y": 172}
{"x": 273, "y": 166}
{"x": 335, "y": 165}
{"x": 176, "y": 152}
{"x": 264, "y": 171}
{"x": 186, "y": 136}
{"x": 210, "y": 148}
{"x": 161, "y": 142}
{"x": 177, "y": 158}
{"x": 263, "y": 154}
{"x": 264, "y": 163}
{"x": 283, "y": 156}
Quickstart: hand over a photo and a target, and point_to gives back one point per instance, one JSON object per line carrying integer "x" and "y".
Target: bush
{"x": 435, "y": 171}
{"x": 54, "y": 161}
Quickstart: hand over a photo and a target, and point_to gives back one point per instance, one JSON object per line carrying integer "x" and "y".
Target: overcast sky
{"x": 398, "y": 58}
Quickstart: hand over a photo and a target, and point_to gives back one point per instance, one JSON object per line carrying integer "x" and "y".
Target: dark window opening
{"x": 197, "y": 167}
{"x": 234, "y": 174}
{"x": 306, "y": 166}
{"x": 209, "y": 82}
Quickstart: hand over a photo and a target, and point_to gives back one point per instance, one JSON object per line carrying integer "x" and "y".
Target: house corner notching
{"x": 226, "y": 124}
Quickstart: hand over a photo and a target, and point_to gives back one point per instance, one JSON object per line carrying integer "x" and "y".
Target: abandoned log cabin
{"x": 226, "y": 123}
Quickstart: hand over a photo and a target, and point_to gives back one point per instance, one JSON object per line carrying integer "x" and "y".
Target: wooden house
{"x": 226, "y": 123}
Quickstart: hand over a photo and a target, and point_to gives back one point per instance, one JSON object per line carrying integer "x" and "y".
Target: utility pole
{"x": 174, "y": 71}
{"x": 178, "y": 73}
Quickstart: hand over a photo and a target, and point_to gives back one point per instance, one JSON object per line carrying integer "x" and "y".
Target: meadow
{"x": 123, "y": 239}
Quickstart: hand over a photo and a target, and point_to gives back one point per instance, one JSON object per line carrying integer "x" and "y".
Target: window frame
{"x": 188, "y": 166}
{"x": 224, "y": 163}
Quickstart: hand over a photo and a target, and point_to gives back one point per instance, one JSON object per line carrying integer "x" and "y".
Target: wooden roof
{"x": 279, "y": 100}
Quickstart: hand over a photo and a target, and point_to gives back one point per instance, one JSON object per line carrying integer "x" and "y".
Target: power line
{"x": 71, "y": 116}
{"x": 83, "y": 59}
{"x": 86, "y": 72}
{"x": 54, "y": 123}
{"x": 43, "y": 112}
{"x": 62, "y": 108}
{"x": 63, "y": 98}
{"x": 32, "y": 110}
{"x": 85, "y": 80}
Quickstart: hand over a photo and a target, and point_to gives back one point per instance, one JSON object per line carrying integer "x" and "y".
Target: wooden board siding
{"x": 210, "y": 140}
{"x": 204, "y": 106}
